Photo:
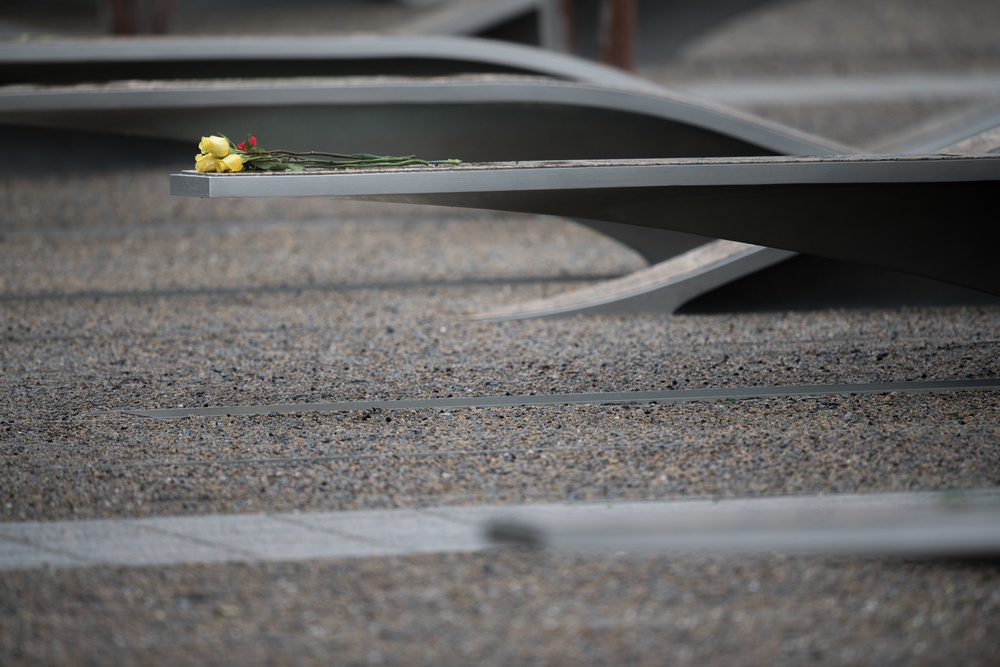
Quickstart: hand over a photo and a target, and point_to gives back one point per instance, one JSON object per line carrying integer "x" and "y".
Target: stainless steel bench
{"x": 917, "y": 214}
{"x": 567, "y": 109}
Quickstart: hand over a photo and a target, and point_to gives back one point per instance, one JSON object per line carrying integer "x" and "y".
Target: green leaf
{"x": 268, "y": 165}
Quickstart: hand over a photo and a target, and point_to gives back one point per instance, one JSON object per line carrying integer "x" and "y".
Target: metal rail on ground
{"x": 597, "y": 398}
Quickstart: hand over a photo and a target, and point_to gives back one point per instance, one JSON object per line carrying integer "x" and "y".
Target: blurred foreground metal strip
{"x": 669, "y": 396}
{"x": 963, "y": 523}
{"x": 943, "y": 524}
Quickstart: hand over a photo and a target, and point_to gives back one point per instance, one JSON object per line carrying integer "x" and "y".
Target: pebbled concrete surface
{"x": 114, "y": 295}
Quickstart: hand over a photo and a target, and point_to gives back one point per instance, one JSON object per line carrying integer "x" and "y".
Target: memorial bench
{"x": 577, "y": 111}
{"x": 68, "y": 61}
{"x": 478, "y": 117}
{"x": 919, "y": 214}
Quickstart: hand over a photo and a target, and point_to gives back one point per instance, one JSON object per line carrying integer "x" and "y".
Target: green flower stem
{"x": 279, "y": 160}
{"x": 346, "y": 156}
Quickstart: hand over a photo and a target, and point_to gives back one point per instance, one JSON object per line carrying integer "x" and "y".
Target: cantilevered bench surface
{"x": 916, "y": 214}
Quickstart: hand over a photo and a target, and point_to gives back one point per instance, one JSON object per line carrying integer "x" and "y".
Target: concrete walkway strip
{"x": 668, "y": 396}
{"x": 167, "y": 541}
{"x": 914, "y": 524}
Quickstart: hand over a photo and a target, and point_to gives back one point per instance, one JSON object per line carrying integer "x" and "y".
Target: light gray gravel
{"x": 123, "y": 312}
{"x": 114, "y": 295}
{"x": 105, "y": 319}
{"x": 510, "y": 607}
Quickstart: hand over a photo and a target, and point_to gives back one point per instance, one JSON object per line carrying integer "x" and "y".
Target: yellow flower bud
{"x": 216, "y": 146}
{"x": 206, "y": 162}
{"x": 231, "y": 162}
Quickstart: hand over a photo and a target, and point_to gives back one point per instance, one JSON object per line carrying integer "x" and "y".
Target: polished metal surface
{"x": 663, "y": 287}
{"x": 65, "y": 61}
{"x": 894, "y": 212}
{"x": 478, "y": 118}
{"x": 958, "y": 524}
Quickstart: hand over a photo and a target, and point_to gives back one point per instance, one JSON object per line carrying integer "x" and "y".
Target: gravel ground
{"x": 510, "y": 607}
{"x": 131, "y": 308}
{"x": 371, "y": 307}
{"x": 114, "y": 295}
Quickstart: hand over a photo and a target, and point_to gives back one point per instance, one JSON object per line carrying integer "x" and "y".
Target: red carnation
{"x": 251, "y": 140}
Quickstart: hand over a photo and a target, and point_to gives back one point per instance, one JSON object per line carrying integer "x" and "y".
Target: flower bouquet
{"x": 219, "y": 154}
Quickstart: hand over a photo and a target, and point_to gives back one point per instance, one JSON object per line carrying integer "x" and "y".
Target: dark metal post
{"x": 617, "y": 38}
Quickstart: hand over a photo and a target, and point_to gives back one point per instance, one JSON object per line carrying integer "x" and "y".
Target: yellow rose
{"x": 216, "y": 146}
{"x": 206, "y": 162}
{"x": 231, "y": 162}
